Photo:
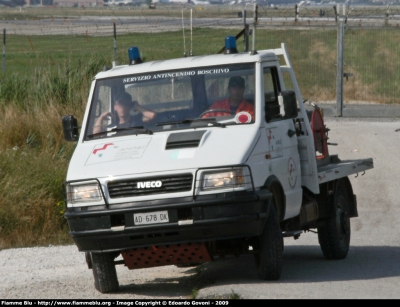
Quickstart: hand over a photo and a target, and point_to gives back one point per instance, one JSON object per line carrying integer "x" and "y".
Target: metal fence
{"x": 371, "y": 40}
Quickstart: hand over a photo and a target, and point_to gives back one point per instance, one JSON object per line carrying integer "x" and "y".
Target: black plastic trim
{"x": 166, "y": 227}
{"x": 220, "y": 217}
{"x": 203, "y": 200}
{"x": 184, "y": 139}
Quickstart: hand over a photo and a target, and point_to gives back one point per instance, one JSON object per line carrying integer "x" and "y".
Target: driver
{"x": 123, "y": 105}
{"x": 235, "y": 103}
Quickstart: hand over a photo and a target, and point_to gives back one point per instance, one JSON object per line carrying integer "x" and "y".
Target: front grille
{"x": 150, "y": 186}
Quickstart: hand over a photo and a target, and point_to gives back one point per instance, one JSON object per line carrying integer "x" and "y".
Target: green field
{"x": 370, "y": 55}
{"x": 47, "y": 77}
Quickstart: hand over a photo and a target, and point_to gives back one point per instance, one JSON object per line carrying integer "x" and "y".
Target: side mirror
{"x": 288, "y": 104}
{"x": 70, "y": 128}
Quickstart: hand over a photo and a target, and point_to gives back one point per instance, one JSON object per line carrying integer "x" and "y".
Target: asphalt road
{"x": 370, "y": 271}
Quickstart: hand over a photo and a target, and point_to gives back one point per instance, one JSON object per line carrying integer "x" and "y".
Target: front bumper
{"x": 191, "y": 219}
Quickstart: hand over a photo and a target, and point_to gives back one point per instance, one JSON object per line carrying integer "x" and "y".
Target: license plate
{"x": 151, "y": 218}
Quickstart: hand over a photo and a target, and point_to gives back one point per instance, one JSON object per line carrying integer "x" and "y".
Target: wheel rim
{"x": 345, "y": 222}
{"x": 342, "y": 220}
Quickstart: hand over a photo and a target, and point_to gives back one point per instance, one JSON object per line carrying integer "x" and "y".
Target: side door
{"x": 281, "y": 146}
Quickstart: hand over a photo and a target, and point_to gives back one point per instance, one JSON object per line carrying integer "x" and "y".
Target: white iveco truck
{"x": 190, "y": 183}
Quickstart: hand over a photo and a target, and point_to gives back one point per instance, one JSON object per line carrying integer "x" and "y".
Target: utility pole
{"x": 4, "y": 52}
{"x": 339, "y": 70}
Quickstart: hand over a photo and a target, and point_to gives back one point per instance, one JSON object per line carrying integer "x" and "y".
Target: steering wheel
{"x": 216, "y": 110}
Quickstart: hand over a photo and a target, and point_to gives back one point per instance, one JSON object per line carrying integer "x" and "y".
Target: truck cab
{"x": 206, "y": 156}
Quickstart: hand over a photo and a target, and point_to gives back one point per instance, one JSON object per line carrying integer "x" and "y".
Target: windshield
{"x": 178, "y": 99}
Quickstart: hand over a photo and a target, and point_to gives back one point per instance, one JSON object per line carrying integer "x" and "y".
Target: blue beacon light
{"x": 230, "y": 45}
{"x": 134, "y": 56}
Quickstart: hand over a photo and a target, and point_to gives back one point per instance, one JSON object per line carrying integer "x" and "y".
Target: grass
{"x": 313, "y": 53}
{"x": 34, "y": 157}
{"x": 234, "y": 296}
{"x": 194, "y": 293}
{"x": 47, "y": 77}
{"x": 31, "y": 211}
{"x": 377, "y": 78}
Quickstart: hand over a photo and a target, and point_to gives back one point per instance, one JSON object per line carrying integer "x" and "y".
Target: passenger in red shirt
{"x": 234, "y": 103}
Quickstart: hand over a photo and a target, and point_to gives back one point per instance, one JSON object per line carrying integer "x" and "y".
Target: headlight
{"x": 235, "y": 178}
{"x": 84, "y": 193}
{"x": 230, "y": 179}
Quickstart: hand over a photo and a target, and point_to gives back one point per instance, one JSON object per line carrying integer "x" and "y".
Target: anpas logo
{"x": 149, "y": 184}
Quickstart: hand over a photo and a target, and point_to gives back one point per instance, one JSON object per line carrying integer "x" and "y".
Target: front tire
{"x": 104, "y": 272}
{"x": 334, "y": 235}
{"x": 268, "y": 256}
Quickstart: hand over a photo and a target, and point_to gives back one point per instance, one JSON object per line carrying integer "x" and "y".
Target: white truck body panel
{"x": 306, "y": 146}
{"x": 342, "y": 169}
{"x": 265, "y": 147}
{"x": 188, "y": 62}
{"x": 182, "y": 160}
{"x": 146, "y": 154}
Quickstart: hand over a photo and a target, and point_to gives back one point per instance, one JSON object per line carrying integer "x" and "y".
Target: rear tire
{"x": 104, "y": 272}
{"x": 268, "y": 256}
{"x": 334, "y": 236}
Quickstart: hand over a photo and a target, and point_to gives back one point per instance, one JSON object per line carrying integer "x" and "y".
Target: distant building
{"x": 78, "y": 3}
{"x": 123, "y": 2}
{"x": 39, "y": 2}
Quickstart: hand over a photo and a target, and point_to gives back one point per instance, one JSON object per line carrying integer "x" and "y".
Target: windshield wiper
{"x": 175, "y": 122}
{"x": 200, "y": 121}
{"x": 140, "y": 129}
